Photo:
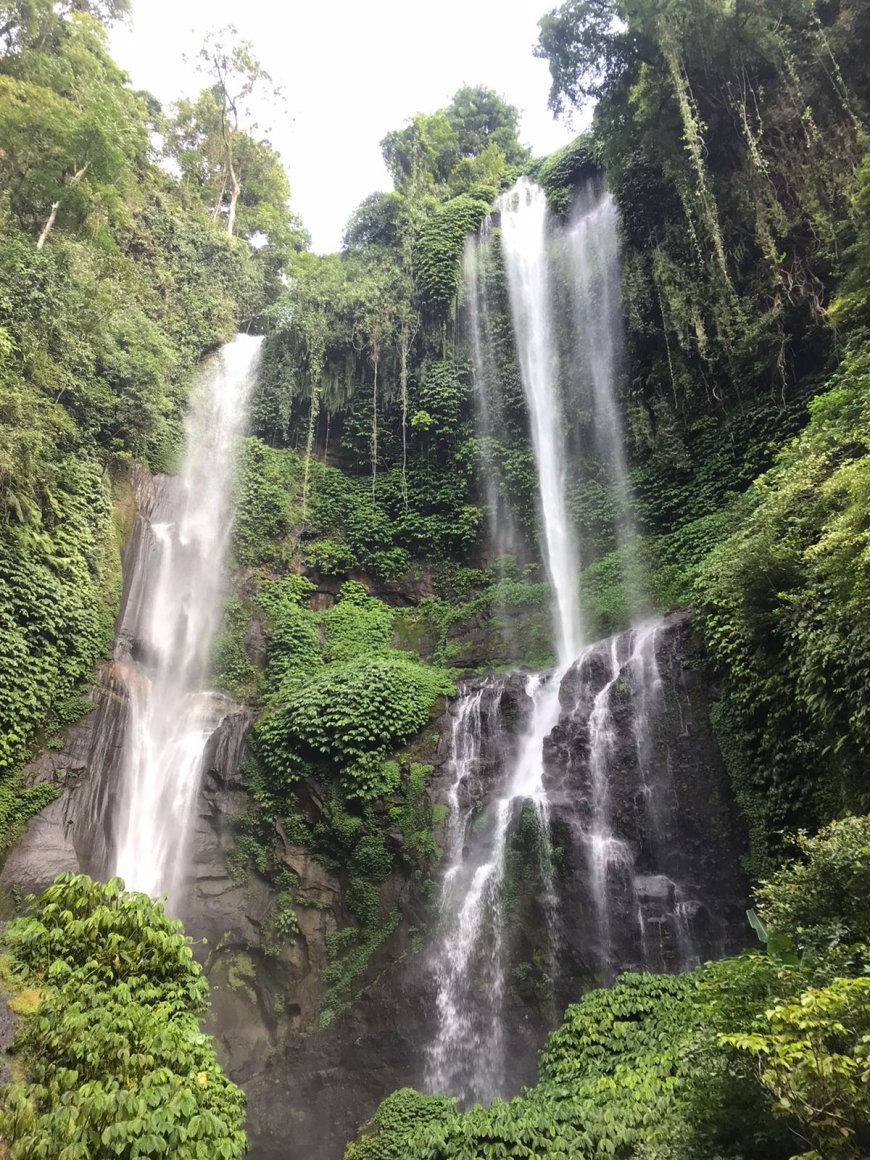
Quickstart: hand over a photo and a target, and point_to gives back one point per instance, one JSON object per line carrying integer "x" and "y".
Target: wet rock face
{"x": 645, "y": 847}
{"x": 308, "y": 1088}
{"x": 74, "y": 831}
{"x": 642, "y": 811}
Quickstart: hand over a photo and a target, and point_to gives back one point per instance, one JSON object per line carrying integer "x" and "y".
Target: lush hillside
{"x": 367, "y": 581}
{"x": 116, "y": 279}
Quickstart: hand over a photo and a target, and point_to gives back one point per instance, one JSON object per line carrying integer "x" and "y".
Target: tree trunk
{"x": 55, "y": 205}
{"x": 234, "y": 199}
{"x": 46, "y": 229}
{"x": 406, "y": 337}
{"x": 220, "y": 199}
{"x": 309, "y": 443}
{"x": 403, "y": 382}
{"x": 375, "y": 361}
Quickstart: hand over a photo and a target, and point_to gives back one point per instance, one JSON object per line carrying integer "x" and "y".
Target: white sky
{"x": 351, "y": 70}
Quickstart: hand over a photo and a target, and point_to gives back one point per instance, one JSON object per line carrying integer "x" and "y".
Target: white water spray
{"x": 524, "y": 222}
{"x": 466, "y": 1057}
{"x": 171, "y": 616}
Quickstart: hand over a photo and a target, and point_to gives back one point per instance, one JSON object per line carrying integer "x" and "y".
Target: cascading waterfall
{"x": 466, "y": 1055}
{"x": 469, "y": 1033}
{"x": 591, "y": 257}
{"x": 171, "y": 615}
{"x": 524, "y": 221}
{"x": 618, "y": 890}
{"x": 631, "y": 913}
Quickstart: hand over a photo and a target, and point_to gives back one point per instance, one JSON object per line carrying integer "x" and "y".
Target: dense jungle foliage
{"x": 109, "y": 1059}
{"x": 135, "y": 239}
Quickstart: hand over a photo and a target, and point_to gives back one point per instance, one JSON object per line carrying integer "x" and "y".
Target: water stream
{"x": 590, "y": 258}
{"x": 525, "y": 243}
{"x": 171, "y": 615}
{"x": 466, "y": 1057}
{"x": 565, "y": 313}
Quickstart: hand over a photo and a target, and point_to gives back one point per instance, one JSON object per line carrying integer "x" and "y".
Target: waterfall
{"x": 591, "y": 257}
{"x": 581, "y": 746}
{"x": 170, "y": 618}
{"x": 524, "y": 222}
{"x": 617, "y": 685}
{"x": 466, "y": 1056}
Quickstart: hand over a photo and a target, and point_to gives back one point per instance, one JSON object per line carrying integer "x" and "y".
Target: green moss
{"x": 350, "y": 952}
{"x": 241, "y": 974}
{"x": 562, "y": 172}
{"x": 438, "y": 250}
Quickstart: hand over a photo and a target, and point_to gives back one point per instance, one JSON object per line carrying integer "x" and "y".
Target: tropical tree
{"x": 212, "y": 137}
{"x": 74, "y": 137}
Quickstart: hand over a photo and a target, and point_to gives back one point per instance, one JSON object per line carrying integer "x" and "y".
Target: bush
{"x": 113, "y": 1058}
{"x": 822, "y": 897}
{"x": 351, "y": 710}
{"x": 344, "y": 698}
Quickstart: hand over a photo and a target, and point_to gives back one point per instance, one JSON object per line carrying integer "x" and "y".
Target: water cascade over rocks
{"x": 467, "y": 1057}
{"x": 171, "y": 614}
{"x": 568, "y": 857}
{"x": 590, "y": 826}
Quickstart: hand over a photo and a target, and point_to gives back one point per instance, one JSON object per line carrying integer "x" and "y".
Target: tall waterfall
{"x": 170, "y": 618}
{"x": 467, "y": 1057}
{"x": 591, "y": 259}
{"x": 582, "y": 753}
{"x": 525, "y": 241}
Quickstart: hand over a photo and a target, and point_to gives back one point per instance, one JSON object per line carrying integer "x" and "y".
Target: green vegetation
{"x": 760, "y": 1056}
{"x": 784, "y": 608}
{"x": 734, "y": 142}
{"x": 109, "y": 1059}
{"x": 342, "y": 698}
{"x": 115, "y": 280}
{"x": 339, "y": 701}
{"x": 359, "y": 364}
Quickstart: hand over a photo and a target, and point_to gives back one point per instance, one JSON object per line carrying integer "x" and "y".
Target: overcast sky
{"x": 351, "y": 70}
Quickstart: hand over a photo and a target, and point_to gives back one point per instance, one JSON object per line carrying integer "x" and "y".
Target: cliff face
{"x": 674, "y": 891}
{"x": 635, "y": 716}
{"x": 72, "y": 832}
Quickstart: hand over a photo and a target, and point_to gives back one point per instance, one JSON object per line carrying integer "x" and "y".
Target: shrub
{"x": 113, "y": 1058}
